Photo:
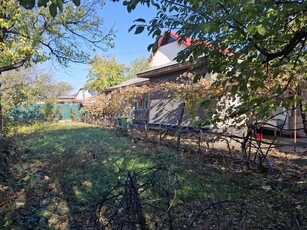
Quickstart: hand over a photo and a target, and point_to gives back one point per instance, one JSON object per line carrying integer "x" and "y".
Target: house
{"x": 158, "y": 109}
{"x": 82, "y": 95}
{"x": 134, "y": 81}
{"x": 140, "y": 112}
{"x": 78, "y": 97}
{"x": 162, "y": 110}
{"x": 66, "y": 99}
{"x": 167, "y": 50}
{"x": 70, "y": 106}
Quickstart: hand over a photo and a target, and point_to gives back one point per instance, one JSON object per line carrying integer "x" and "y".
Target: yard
{"x": 78, "y": 176}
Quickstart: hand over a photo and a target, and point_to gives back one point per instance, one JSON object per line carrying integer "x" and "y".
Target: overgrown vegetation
{"x": 77, "y": 176}
{"x": 258, "y": 48}
{"x": 27, "y": 95}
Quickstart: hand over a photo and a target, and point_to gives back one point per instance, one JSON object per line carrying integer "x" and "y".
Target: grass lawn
{"x": 77, "y": 176}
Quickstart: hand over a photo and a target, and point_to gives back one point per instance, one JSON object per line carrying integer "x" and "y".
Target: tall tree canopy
{"x": 104, "y": 72}
{"x": 257, "y": 47}
{"x": 136, "y": 66}
{"x": 32, "y": 36}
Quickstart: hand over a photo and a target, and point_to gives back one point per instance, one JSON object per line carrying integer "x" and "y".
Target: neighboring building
{"x": 78, "y": 97}
{"x": 82, "y": 95}
{"x": 66, "y": 99}
{"x": 70, "y": 106}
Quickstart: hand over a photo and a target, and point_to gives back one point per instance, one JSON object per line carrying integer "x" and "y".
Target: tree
{"x": 54, "y": 6}
{"x": 60, "y": 89}
{"x": 30, "y": 85}
{"x": 104, "y": 72}
{"x": 257, "y": 48}
{"x": 44, "y": 87}
{"x": 136, "y": 66}
{"x": 24, "y": 87}
{"x": 28, "y": 37}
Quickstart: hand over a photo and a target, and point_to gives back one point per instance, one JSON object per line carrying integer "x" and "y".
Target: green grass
{"x": 59, "y": 172}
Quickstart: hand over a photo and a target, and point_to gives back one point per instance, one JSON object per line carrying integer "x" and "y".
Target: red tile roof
{"x": 187, "y": 42}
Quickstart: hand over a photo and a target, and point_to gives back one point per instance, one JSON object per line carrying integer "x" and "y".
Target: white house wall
{"x": 83, "y": 95}
{"x": 166, "y": 54}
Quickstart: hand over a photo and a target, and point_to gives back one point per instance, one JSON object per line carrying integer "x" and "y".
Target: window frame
{"x": 144, "y": 99}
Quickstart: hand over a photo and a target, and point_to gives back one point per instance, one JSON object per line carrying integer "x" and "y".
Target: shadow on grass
{"x": 62, "y": 170}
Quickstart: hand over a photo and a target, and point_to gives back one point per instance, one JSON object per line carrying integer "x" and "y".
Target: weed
{"x": 60, "y": 173}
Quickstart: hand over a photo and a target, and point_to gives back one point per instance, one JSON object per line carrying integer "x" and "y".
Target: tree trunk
{"x": 245, "y": 155}
{"x": 199, "y": 141}
{"x": 303, "y": 115}
{"x": 1, "y": 123}
{"x": 180, "y": 119}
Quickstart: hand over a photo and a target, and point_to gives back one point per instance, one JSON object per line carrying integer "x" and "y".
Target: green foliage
{"x": 136, "y": 66}
{"x": 57, "y": 114}
{"x": 51, "y": 112}
{"x": 116, "y": 104}
{"x": 73, "y": 115}
{"x": 53, "y": 6}
{"x": 32, "y": 113}
{"x": 257, "y": 48}
{"x": 32, "y": 36}
{"x": 28, "y": 86}
{"x": 104, "y": 72}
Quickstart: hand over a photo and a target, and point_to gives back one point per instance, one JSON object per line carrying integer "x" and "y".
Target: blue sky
{"x": 128, "y": 46}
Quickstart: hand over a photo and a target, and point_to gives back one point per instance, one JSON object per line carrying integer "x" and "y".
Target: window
{"x": 142, "y": 102}
{"x": 146, "y": 102}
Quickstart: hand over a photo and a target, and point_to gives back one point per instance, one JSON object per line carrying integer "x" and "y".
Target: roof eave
{"x": 164, "y": 70}
{"x": 124, "y": 86}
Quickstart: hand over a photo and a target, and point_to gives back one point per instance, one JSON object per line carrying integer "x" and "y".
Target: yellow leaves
{"x": 17, "y": 46}
{"x": 120, "y": 102}
{"x": 115, "y": 104}
{"x": 4, "y": 24}
{"x": 15, "y": 51}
